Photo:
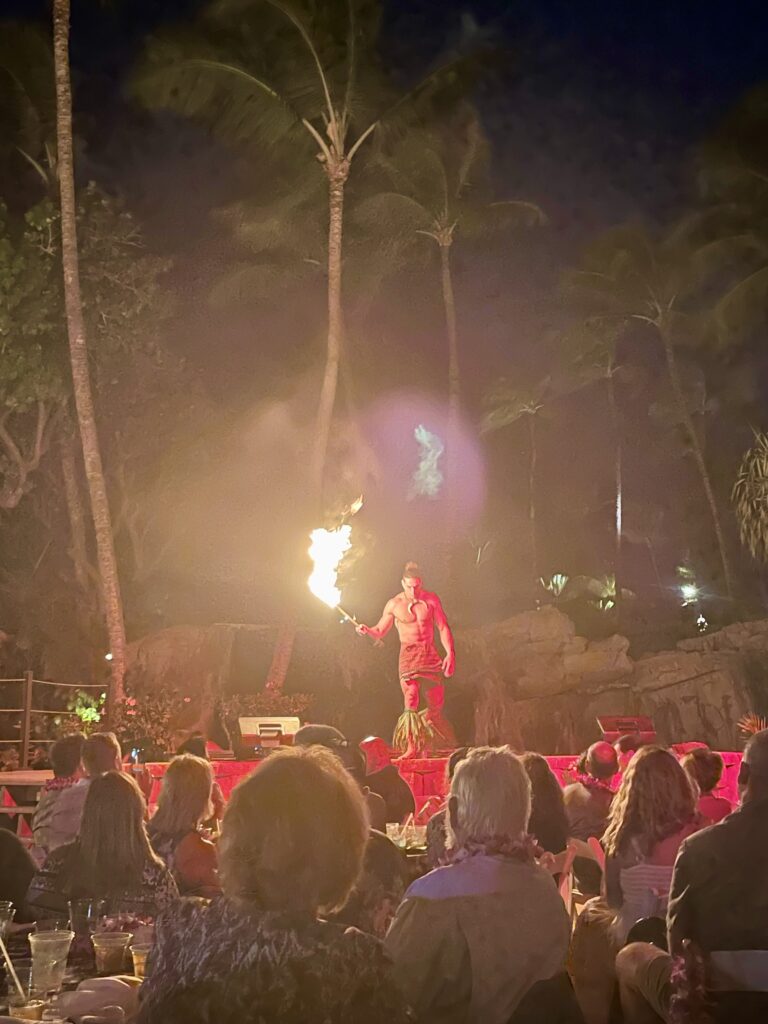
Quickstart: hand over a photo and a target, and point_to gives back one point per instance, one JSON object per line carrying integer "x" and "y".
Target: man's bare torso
{"x": 414, "y": 619}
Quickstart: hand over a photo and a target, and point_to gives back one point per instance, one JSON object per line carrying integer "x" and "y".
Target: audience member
{"x": 436, "y": 826}
{"x": 111, "y": 859}
{"x": 653, "y": 812}
{"x": 718, "y": 908}
{"x": 626, "y": 747}
{"x": 100, "y": 753}
{"x": 548, "y": 823}
{"x": 329, "y": 737}
{"x": 16, "y": 871}
{"x": 175, "y": 829}
{"x": 382, "y": 777}
{"x": 196, "y": 745}
{"x": 587, "y": 805}
{"x": 292, "y": 845}
{"x": 66, "y": 754}
{"x": 379, "y": 889}
{"x": 705, "y": 767}
{"x": 473, "y": 937}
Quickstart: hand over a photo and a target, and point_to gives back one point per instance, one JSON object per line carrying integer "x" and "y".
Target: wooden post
{"x": 26, "y": 718}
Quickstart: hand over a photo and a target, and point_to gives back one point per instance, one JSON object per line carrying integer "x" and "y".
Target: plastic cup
{"x": 6, "y": 916}
{"x": 140, "y": 952}
{"x": 25, "y": 1009}
{"x": 110, "y": 949}
{"x": 49, "y": 960}
{"x": 86, "y": 915}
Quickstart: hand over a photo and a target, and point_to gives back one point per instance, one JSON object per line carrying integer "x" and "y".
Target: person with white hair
{"x": 471, "y": 938}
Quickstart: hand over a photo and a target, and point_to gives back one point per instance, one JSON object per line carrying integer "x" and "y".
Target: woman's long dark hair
{"x": 113, "y": 846}
{"x": 548, "y": 822}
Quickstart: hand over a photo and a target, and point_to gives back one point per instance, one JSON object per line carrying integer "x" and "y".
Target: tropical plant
{"x": 439, "y": 192}
{"x": 750, "y": 498}
{"x": 78, "y": 350}
{"x": 629, "y": 277}
{"x": 305, "y": 79}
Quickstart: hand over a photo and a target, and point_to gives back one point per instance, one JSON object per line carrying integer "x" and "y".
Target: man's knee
{"x": 644, "y": 973}
{"x": 410, "y": 689}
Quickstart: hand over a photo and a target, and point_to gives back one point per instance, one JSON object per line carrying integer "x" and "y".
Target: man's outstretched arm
{"x": 382, "y": 627}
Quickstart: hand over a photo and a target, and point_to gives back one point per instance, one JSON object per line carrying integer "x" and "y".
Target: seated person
{"x": 587, "y": 806}
{"x": 111, "y": 859}
{"x": 195, "y": 744}
{"x": 174, "y": 831}
{"x": 653, "y": 812}
{"x": 382, "y": 777}
{"x": 718, "y": 907}
{"x": 548, "y": 823}
{"x": 101, "y": 753}
{"x": 66, "y": 755}
{"x": 379, "y": 889}
{"x": 471, "y": 938}
{"x": 291, "y": 847}
{"x": 436, "y": 826}
{"x": 329, "y": 737}
{"x": 706, "y": 769}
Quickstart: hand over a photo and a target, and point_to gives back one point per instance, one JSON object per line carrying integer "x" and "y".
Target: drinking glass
{"x": 49, "y": 960}
{"x": 140, "y": 952}
{"x": 110, "y": 949}
{"x": 25, "y": 1008}
{"x": 7, "y": 910}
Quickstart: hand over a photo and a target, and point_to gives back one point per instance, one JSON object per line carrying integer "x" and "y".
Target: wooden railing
{"x": 27, "y": 684}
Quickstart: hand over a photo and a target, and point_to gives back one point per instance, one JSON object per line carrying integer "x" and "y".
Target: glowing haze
{"x": 427, "y": 478}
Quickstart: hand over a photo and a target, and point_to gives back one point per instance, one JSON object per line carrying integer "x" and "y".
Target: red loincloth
{"x": 420, "y": 660}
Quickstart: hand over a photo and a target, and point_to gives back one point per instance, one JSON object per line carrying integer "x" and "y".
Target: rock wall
{"x": 529, "y": 681}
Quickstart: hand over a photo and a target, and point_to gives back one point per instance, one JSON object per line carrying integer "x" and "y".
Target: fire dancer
{"x": 416, "y": 612}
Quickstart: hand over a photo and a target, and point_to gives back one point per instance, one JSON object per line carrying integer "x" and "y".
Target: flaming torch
{"x": 327, "y": 551}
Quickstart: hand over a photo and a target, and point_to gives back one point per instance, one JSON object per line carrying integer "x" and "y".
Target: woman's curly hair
{"x": 656, "y": 799}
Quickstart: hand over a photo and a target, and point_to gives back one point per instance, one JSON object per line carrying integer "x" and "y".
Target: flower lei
{"x": 64, "y": 782}
{"x": 590, "y": 782}
{"x": 523, "y": 848}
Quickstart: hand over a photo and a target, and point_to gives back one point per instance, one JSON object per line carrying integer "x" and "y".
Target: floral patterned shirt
{"x": 230, "y": 963}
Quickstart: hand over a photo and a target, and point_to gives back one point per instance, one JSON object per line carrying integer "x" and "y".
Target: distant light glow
{"x": 702, "y": 624}
{"x": 690, "y": 592}
{"x": 428, "y": 477}
{"x": 109, "y": 656}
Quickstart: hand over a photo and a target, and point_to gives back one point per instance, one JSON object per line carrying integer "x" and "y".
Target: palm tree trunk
{"x": 618, "y": 483}
{"x": 76, "y": 514}
{"x": 454, "y": 394}
{"x": 698, "y": 454}
{"x": 337, "y": 177}
{"x": 78, "y": 351}
{"x": 533, "y": 456}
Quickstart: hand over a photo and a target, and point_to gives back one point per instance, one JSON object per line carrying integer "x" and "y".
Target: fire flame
{"x": 327, "y": 551}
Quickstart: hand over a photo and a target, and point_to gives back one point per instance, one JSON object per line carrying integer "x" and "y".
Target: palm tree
{"x": 750, "y": 498}
{"x": 508, "y": 404}
{"x": 592, "y": 350}
{"x": 629, "y": 277}
{"x": 314, "y": 96}
{"x": 438, "y": 181}
{"x": 78, "y": 350}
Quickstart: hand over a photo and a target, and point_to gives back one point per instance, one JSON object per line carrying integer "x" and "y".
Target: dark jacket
{"x": 228, "y": 963}
{"x": 394, "y": 790}
{"x": 16, "y": 871}
{"x": 719, "y": 894}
